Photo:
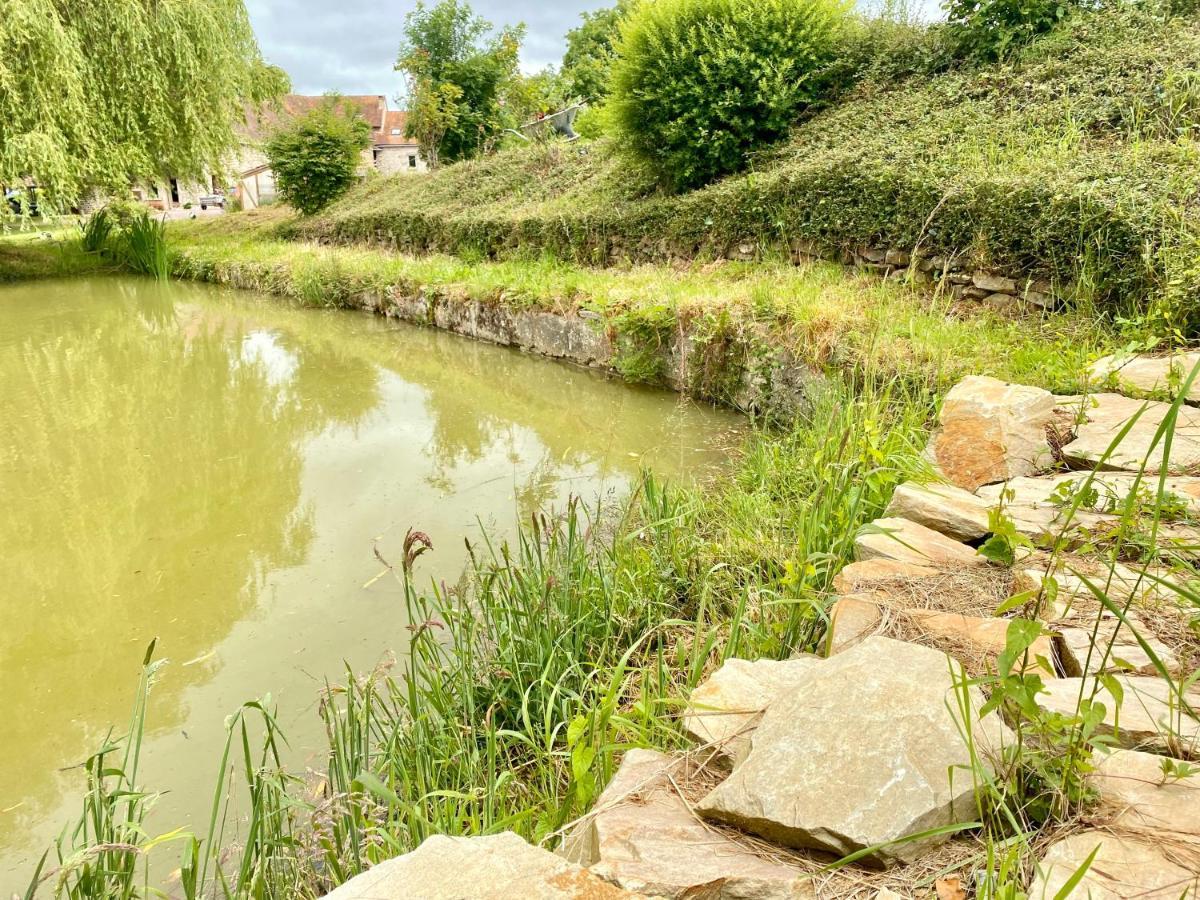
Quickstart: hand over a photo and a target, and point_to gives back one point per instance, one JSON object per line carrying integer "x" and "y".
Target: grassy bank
{"x": 1075, "y": 161}
{"x": 38, "y": 254}
{"x": 829, "y": 318}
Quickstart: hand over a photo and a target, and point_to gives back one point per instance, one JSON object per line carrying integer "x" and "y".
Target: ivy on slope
{"x": 1076, "y": 161}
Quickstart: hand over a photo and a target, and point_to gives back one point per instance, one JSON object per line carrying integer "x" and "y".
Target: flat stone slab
{"x": 861, "y": 575}
{"x": 1115, "y": 648}
{"x": 992, "y": 431}
{"x": 497, "y": 867}
{"x": 947, "y": 509}
{"x": 1108, "y": 414}
{"x": 852, "y": 619}
{"x": 1125, "y": 866}
{"x": 1148, "y": 717}
{"x": 1147, "y": 376}
{"x": 859, "y": 754}
{"x": 723, "y": 710}
{"x": 908, "y": 542}
{"x": 855, "y": 617}
{"x": 1137, "y": 795}
{"x": 1110, "y": 489}
{"x": 643, "y": 837}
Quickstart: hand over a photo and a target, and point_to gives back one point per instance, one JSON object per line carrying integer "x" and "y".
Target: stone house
{"x": 389, "y": 152}
{"x": 394, "y": 153}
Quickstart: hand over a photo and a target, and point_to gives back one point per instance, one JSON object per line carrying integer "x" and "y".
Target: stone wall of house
{"x": 394, "y": 160}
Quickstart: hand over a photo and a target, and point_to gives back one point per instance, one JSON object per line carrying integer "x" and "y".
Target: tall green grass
{"x": 142, "y": 246}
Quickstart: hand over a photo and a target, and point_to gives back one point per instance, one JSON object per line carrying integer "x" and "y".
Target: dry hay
{"x": 970, "y": 592}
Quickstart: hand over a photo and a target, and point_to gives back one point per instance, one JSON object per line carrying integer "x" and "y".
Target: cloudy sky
{"x": 349, "y": 46}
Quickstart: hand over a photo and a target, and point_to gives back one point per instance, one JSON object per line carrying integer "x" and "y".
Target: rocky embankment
{"x": 1043, "y": 555}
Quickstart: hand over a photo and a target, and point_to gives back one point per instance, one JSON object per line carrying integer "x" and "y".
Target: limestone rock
{"x": 859, "y": 754}
{"x": 1126, "y": 654}
{"x": 1124, "y": 866}
{"x": 853, "y": 619}
{"x": 979, "y": 636}
{"x": 860, "y": 575}
{"x": 1142, "y": 376}
{"x": 943, "y": 507}
{"x": 1135, "y": 795}
{"x": 1149, "y": 715}
{"x": 1105, "y": 491}
{"x": 1108, "y": 414}
{"x": 644, "y": 838}
{"x": 723, "y": 709}
{"x": 991, "y": 431}
{"x": 497, "y": 867}
{"x": 908, "y": 542}
{"x": 986, "y": 282}
{"x": 1118, "y": 581}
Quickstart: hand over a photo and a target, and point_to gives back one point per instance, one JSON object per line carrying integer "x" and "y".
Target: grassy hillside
{"x": 1077, "y": 161}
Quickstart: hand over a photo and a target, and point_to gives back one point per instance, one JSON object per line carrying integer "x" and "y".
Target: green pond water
{"x": 214, "y": 469}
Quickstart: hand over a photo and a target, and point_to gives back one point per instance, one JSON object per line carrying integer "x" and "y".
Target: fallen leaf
{"x": 950, "y": 888}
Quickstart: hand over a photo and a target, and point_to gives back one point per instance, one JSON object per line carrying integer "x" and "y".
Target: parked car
{"x": 216, "y": 198}
{"x": 14, "y": 196}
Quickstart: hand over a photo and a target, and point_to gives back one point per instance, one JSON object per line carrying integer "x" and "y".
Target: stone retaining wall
{"x": 773, "y": 383}
{"x": 1000, "y": 292}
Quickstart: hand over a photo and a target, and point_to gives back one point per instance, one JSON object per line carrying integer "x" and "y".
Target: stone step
{"x": 1147, "y": 376}
{"x": 1145, "y": 792}
{"x": 1110, "y": 646}
{"x": 1107, "y": 415}
{"x": 1148, "y": 717}
{"x": 723, "y": 710}
{"x": 1124, "y": 866}
{"x": 969, "y": 639}
{"x": 496, "y": 867}
{"x": 905, "y": 541}
{"x": 642, "y": 836}
{"x": 947, "y": 509}
{"x": 860, "y": 754}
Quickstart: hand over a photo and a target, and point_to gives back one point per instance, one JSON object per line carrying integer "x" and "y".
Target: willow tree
{"x": 99, "y": 93}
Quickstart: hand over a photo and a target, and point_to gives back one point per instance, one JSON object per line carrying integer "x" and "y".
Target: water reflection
{"x": 182, "y": 462}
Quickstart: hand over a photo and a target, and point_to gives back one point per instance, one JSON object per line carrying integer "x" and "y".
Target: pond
{"x": 215, "y": 469}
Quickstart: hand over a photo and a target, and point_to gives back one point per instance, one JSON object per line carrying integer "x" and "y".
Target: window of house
{"x": 412, "y": 161}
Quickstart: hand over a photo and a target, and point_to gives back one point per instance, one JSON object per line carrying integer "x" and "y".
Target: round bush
{"x": 699, "y": 84}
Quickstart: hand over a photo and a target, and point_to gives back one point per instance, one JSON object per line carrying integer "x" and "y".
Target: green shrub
{"x": 315, "y": 156}
{"x": 991, "y": 29}
{"x": 700, "y": 84}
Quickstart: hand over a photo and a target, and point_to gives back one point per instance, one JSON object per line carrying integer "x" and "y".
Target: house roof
{"x": 259, "y": 124}
{"x": 392, "y": 133}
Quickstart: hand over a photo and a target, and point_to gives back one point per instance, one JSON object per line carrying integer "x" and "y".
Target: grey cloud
{"x": 349, "y": 46}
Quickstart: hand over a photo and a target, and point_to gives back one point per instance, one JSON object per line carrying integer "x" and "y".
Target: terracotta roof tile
{"x": 393, "y": 130}
{"x": 259, "y": 125}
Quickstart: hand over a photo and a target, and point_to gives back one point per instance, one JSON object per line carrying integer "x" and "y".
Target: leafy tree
{"x": 527, "y": 96}
{"x": 587, "y": 63}
{"x": 989, "y": 30}
{"x": 315, "y": 156}
{"x": 432, "y": 111}
{"x": 700, "y": 84}
{"x": 104, "y": 92}
{"x": 448, "y": 45}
